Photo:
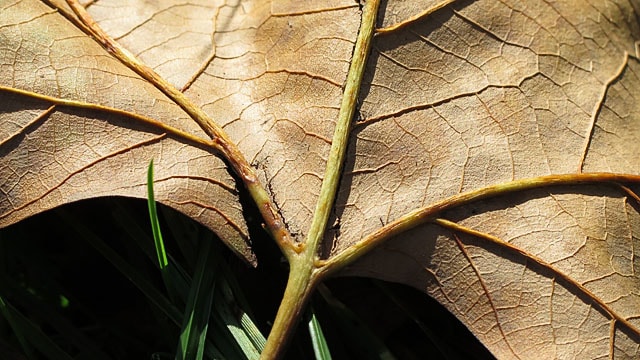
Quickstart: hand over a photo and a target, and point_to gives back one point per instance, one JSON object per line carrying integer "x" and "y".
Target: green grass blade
{"x": 174, "y": 276}
{"x": 226, "y": 307}
{"x": 225, "y": 342}
{"x": 198, "y": 309}
{"x": 257, "y": 339}
{"x": 173, "y": 280}
{"x": 320, "y": 347}
{"x": 155, "y": 225}
{"x": 241, "y": 306}
{"x": 153, "y": 294}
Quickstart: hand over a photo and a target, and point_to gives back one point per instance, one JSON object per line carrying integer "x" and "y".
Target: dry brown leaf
{"x": 52, "y": 157}
{"x": 488, "y": 92}
{"x": 474, "y": 94}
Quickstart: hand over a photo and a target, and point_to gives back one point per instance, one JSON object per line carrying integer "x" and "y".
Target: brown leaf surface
{"x": 475, "y": 94}
{"x": 278, "y": 106}
{"x": 488, "y": 92}
{"x": 52, "y": 157}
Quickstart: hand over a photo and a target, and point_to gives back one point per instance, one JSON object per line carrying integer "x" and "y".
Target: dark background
{"x": 46, "y": 258}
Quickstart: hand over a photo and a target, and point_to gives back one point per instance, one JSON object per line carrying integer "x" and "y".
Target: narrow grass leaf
{"x": 155, "y": 225}
{"x": 153, "y": 294}
{"x": 175, "y": 275}
{"x": 219, "y": 333}
{"x": 241, "y": 306}
{"x": 172, "y": 280}
{"x": 226, "y": 308}
{"x": 320, "y": 347}
{"x": 180, "y": 278}
{"x": 198, "y": 309}
{"x": 257, "y": 339}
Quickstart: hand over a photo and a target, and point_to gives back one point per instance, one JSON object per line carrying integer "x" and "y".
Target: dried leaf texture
{"x": 174, "y": 38}
{"x": 488, "y": 92}
{"x": 276, "y": 80}
{"x": 270, "y": 72}
{"x": 398, "y": 12}
{"x": 54, "y": 155}
{"x": 481, "y": 94}
{"x": 471, "y": 95}
{"x": 516, "y": 307}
